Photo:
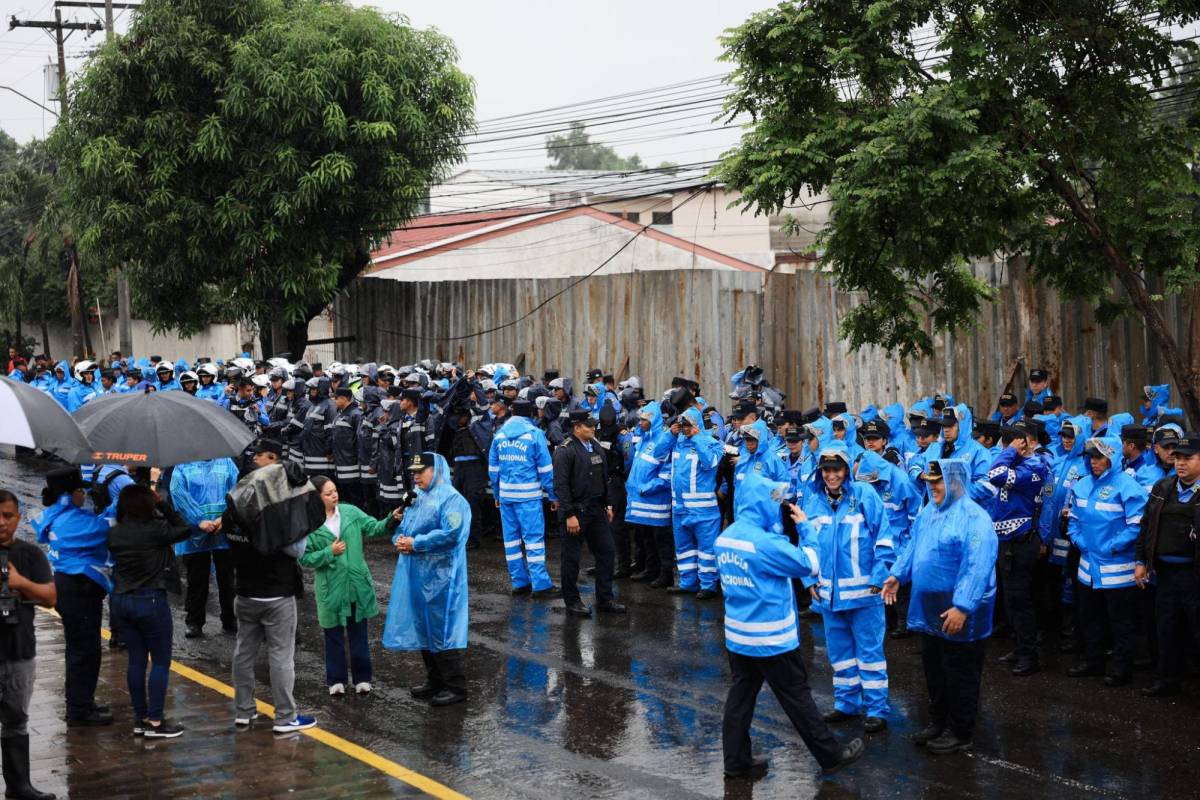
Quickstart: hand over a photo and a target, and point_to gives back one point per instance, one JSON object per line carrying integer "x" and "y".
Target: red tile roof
{"x": 432, "y": 228}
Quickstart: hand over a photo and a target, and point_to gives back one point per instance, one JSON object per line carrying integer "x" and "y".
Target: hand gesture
{"x": 339, "y": 547}
{"x": 404, "y": 544}
{"x": 573, "y": 525}
{"x": 398, "y": 513}
{"x": 890, "y": 587}
{"x": 798, "y": 516}
{"x": 954, "y": 621}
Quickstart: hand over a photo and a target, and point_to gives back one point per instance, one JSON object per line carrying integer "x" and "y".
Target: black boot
{"x": 15, "y": 753}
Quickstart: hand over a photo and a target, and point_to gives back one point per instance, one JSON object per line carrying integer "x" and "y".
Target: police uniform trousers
{"x": 695, "y": 539}
{"x": 1177, "y": 608}
{"x": 788, "y": 679}
{"x": 368, "y": 487}
{"x": 594, "y": 529}
{"x": 854, "y": 642}
{"x": 81, "y": 606}
{"x": 470, "y": 480}
{"x": 1017, "y": 560}
{"x": 1105, "y": 613}
{"x": 953, "y": 672}
{"x": 525, "y": 543}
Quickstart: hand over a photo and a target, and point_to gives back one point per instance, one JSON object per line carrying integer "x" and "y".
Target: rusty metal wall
{"x": 1027, "y": 326}
{"x": 708, "y": 324}
{"x": 702, "y": 324}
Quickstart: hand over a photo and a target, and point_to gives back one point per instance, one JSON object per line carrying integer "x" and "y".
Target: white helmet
{"x": 261, "y": 381}
{"x": 247, "y": 364}
{"x": 488, "y": 385}
{"x": 280, "y": 362}
{"x": 209, "y": 369}
{"x": 164, "y": 365}
{"x": 189, "y": 376}
{"x": 82, "y": 367}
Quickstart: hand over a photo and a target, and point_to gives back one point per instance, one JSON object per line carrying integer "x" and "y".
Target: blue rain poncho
{"x": 764, "y": 461}
{"x": 198, "y": 490}
{"x": 428, "y": 605}
{"x": 756, "y": 563}
{"x": 649, "y": 484}
{"x": 951, "y": 561}
{"x": 77, "y": 541}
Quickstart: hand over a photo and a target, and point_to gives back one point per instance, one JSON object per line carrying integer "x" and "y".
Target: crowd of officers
{"x": 881, "y": 523}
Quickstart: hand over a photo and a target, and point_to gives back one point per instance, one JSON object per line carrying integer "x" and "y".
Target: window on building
{"x": 661, "y": 218}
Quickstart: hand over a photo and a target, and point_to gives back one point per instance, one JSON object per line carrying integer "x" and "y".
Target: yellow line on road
{"x": 357, "y": 752}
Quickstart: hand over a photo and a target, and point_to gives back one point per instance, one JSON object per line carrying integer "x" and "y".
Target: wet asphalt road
{"x": 625, "y": 707}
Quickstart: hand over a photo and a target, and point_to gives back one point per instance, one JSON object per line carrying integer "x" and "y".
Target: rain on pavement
{"x": 630, "y": 707}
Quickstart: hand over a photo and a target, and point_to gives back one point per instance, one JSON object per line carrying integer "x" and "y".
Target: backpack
{"x": 99, "y": 491}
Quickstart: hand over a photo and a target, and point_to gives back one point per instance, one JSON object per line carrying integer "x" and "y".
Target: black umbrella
{"x": 160, "y": 429}
{"x": 34, "y": 419}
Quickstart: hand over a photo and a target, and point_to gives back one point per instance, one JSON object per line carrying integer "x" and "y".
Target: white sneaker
{"x": 337, "y": 690}
{"x": 242, "y": 722}
{"x": 363, "y": 688}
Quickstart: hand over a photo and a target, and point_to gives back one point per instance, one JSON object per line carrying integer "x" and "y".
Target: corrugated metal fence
{"x": 708, "y": 324}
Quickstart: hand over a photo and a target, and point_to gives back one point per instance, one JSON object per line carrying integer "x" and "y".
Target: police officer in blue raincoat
{"x": 77, "y": 546}
{"x": 1138, "y": 458}
{"x": 696, "y": 517}
{"x": 956, "y": 442}
{"x": 427, "y": 610}
{"x": 951, "y": 564}
{"x": 520, "y": 469}
{"x": 756, "y": 455}
{"x": 845, "y": 430}
{"x": 1105, "y": 513}
{"x": 85, "y": 387}
{"x": 902, "y": 503}
{"x": 762, "y": 636}
{"x": 845, "y": 522}
{"x": 648, "y": 497}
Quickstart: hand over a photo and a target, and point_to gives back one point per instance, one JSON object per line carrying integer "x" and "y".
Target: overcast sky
{"x": 523, "y": 55}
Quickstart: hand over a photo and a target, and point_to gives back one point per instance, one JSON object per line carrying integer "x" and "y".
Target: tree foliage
{"x": 247, "y": 155}
{"x": 576, "y": 150}
{"x": 946, "y": 131}
{"x": 34, "y": 236}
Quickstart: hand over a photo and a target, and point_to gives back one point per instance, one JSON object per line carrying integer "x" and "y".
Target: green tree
{"x": 34, "y": 244}
{"x": 947, "y": 130}
{"x": 576, "y": 150}
{"x": 243, "y": 157}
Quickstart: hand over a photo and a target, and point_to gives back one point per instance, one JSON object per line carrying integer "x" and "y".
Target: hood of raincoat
{"x": 851, "y": 427}
{"x": 518, "y": 425}
{"x": 1053, "y": 424}
{"x": 824, "y": 429}
{"x": 1116, "y": 422}
{"x": 696, "y": 416}
{"x": 870, "y": 466}
{"x": 955, "y": 473}
{"x": 372, "y": 398}
{"x": 893, "y": 415}
{"x": 762, "y": 433}
{"x": 1160, "y": 395}
{"x": 818, "y": 482}
{"x": 1083, "y": 432}
{"x": 869, "y": 413}
{"x": 757, "y": 502}
{"x": 1113, "y": 444}
{"x": 68, "y": 378}
{"x": 966, "y": 423}
{"x": 441, "y": 480}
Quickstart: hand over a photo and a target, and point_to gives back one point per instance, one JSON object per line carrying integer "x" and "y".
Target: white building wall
{"x": 564, "y": 248}
{"x": 215, "y": 341}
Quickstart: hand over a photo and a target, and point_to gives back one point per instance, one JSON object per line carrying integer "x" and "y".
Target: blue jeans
{"x": 146, "y": 625}
{"x": 335, "y": 652}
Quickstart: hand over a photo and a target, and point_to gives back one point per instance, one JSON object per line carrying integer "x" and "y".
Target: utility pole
{"x": 79, "y": 337}
{"x": 124, "y": 307}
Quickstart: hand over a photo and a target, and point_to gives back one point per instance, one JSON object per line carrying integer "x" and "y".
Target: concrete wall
{"x": 215, "y": 341}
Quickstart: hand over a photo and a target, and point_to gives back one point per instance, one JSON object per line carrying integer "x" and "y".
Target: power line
{"x": 552, "y": 297}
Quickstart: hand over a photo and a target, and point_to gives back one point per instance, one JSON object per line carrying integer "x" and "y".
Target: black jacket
{"x": 573, "y": 476}
{"x": 1146, "y": 548}
{"x": 144, "y": 552}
